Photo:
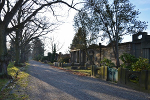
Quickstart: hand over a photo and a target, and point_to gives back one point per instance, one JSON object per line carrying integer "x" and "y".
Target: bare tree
{"x": 32, "y": 29}
{"x": 115, "y": 19}
{"x": 49, "y": 43}
{"x": 8, "y": 10}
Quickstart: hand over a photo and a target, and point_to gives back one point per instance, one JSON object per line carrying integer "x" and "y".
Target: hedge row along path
{"x": 49, "y": 83}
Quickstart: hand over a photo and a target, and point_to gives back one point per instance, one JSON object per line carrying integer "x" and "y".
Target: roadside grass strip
{"x": 76, "y": 72}
{"x": 7, "y": 86}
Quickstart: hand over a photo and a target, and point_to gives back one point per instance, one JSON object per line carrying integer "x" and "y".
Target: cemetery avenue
{"x": 48, "y": 83}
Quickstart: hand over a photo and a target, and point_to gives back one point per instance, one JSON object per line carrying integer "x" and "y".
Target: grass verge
{"x": 77, "y": 72}
{"x": 20, "y": 80}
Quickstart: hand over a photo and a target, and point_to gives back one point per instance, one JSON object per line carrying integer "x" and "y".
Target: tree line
{"x": 21, "y": 21}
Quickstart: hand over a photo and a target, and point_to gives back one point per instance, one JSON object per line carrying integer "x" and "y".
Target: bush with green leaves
{"x": 141, "y": 64}
{"x": 128, "y": 60}
{"x": 107, "y": 62}
{"x": 133, "y": 63}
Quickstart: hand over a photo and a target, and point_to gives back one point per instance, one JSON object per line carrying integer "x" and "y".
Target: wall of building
{"x": 138, "y": 47}
{"x": 107, "y": 52}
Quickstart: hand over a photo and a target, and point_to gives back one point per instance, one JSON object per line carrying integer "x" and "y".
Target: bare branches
{"x": 10, "y": 14}
{"x": 2, "y": 4}
{"x": 1, "y": 7}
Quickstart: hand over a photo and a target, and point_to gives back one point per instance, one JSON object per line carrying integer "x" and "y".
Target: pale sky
{"x": 66, "y": 32}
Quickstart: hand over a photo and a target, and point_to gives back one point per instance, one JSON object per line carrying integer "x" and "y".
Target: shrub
{"x": 128, "y": 60}
{"x": 44, "y": 58}
{"x": 107, "y": 62}
{"x": 141, "y": 64}
{"x": 133, "y": 63}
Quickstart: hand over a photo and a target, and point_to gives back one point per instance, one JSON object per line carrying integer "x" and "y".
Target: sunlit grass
{"x": 68, "y": 67}
{"x": 22, "y": 76}
{"x": 51, "y": 64}
{"x": 19, "y": 76}
{"x": 87, "y": 72}
{"x": 84, "y": 71}
{"x": 12, "y": 70}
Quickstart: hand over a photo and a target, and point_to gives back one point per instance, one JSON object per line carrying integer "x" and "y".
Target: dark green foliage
{"x": 128, "y": 60}
{"x": 141, "y": 64}
{"x": 44, "y": 58}
{"x": 49, "y": 56}
{"x": 38, "y": 49}
{"x": 64, "y": 59}
{"x": 38, "y": 57}
{"x": 133, "y": 63}
{"x": 79, "y": 41}
{"x": 107, "y": 62}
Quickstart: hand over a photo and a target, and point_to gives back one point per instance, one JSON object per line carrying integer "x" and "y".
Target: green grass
{"x": 3, "y": 82}
{"x": 87, "y": 72}
{"x": 12, "y": 70}
{"x": 20, "y": 80}
{"x": 68, "y": 67}
{"x": 51, "y": 64}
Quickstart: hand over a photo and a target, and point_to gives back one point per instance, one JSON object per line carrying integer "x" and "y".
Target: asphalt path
{"x": 48, "y": 83}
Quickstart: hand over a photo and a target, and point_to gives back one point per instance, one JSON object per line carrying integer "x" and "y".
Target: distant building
{"x": 139, "y": 47}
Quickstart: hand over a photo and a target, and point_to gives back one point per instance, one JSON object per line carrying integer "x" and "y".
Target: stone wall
{"x": 138, "y": 48}
{"x": 107, "y": 52}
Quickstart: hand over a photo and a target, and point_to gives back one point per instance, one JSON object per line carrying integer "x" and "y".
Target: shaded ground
{"x": 48, "y": 83}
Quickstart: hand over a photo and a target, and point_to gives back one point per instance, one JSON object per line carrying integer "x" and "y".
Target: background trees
{"x": 80, "y": 40}
{"x": 38, "y": 49}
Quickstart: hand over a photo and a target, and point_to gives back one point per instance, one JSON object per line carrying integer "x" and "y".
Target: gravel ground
{"x": 47, "y": 83}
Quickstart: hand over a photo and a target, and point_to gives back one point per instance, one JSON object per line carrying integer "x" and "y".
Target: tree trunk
{"x": 117, "y": 50}
{"x": 117, "y": 55}
{"x": 23, "y": 58}
{"x": 17, "y": 49}
{"x": 4, "y": 57}
{"x": 17, "y": 57}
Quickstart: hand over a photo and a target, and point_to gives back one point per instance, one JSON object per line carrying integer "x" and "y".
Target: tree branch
{"x": 1, "y": 7}
{"x": 8, "y": 17}
{"x": 33, "y": 14}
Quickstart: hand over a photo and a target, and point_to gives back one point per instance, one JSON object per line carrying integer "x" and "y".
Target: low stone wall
{"x": 136, "y": 80}
{"x": 100, "y": 72}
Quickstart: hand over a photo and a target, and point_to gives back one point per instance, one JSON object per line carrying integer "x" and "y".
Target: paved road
{"x": 47, "y": 83}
